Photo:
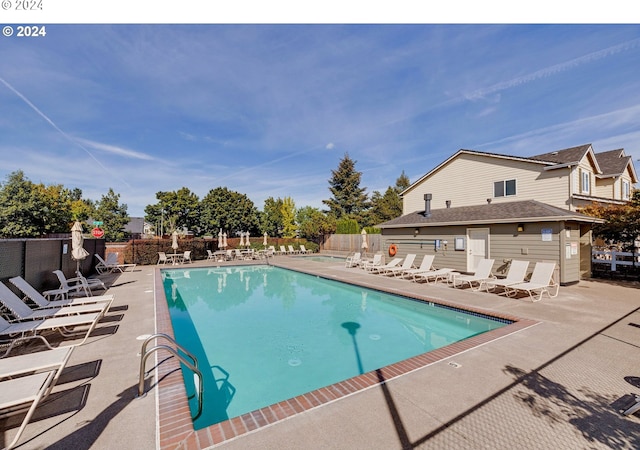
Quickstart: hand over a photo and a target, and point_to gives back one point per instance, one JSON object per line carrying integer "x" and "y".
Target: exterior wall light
{"x": 520, "y": 227}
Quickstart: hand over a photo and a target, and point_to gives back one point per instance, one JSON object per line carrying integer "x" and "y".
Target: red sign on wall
{"x": 97, "y": 232}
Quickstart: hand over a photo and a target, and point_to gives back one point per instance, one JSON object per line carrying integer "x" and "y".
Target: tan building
{"x": 479, "y": 204}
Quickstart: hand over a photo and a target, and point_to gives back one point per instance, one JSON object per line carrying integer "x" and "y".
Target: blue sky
{"x": 269, "y": 110}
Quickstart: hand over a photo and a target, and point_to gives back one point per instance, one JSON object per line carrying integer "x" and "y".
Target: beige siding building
{"x": 480, "y": 205}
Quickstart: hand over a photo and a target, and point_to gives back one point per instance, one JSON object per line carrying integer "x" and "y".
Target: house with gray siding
{"x": 479, "y": 204}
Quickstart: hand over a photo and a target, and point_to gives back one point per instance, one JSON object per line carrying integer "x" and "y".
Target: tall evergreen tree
{"x": 113, "y": 215}
{"x": 348, "y": 198}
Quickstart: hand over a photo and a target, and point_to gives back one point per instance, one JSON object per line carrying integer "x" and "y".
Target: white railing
{"x": 615, "y": 258}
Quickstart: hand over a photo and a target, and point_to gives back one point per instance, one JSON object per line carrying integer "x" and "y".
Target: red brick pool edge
{"x": 175, "y": 427}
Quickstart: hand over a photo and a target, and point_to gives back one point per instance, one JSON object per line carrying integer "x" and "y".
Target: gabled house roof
{"x": 504, "y": 212}
{"x": 614, "y": 163}
{"x": 606, "y": 164}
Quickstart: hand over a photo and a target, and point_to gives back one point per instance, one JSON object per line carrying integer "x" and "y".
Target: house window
{"x": 585, "y": 182}
{"x": 504, "y": 188}
{"x": 626, "y": 190}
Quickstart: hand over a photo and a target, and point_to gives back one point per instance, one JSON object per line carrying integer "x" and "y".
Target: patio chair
{"x": 66, "y": 326}
{"x": 42, "y": 302}
{"x": 186, "y": 258}
{"x": 111, "y": 264}
{"x": 210, "y": 255}
{"x": 541, "y": 282}
{"x": 382, "y": 267}
{"x": 162, "y": 258}
{"x": 482, "y": 273}
{"x": 77, "y": 285}
{"x": 283, "y": 251}
{"x": 21, "y": 311}
{"x": 516, "y": 274}
{"x": 353, "y": 260}
{"x": 26, "y": 380}
{"x": 433, "y": 275}
{"x": 292, "y": 251}
{"x": 229, "y": 255}
{"x": 425, "y": 266}
{"x": 406, "y": 265}
{"x": 303, "y": 249}
{"x": 373, "y": 264}
{"x": 91, "y": 282}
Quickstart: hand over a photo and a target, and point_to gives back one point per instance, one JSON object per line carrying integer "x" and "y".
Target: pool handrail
{"x": 192, "y": 365}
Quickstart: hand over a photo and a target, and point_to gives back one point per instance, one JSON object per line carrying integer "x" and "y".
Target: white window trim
{"x": 585, "y": 182}
{"x": 626, "y": 190}
{"x": 504, "y": 188}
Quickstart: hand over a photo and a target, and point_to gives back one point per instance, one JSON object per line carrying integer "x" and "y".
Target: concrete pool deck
{"x": 558, "y": 384}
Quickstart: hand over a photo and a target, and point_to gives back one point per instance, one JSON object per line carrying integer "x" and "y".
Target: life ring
{"x": 393, "y": 249}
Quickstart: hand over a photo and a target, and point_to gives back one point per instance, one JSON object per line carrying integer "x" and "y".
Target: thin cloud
{"x": 115, "y": 150}
{"x": 50, "y": 122}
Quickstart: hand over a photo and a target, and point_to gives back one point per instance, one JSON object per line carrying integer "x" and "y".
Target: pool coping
{"x": 175, "y": 427}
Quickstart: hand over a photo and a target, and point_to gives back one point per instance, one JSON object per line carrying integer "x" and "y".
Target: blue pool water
{"x": 264, "y": 334}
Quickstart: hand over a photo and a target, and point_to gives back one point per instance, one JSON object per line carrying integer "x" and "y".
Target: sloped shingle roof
{"x": 522, "y": 211}
{"x": 565, "y": 156}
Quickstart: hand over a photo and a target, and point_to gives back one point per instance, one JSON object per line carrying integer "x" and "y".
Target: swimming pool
{"x": 269, "y": 334}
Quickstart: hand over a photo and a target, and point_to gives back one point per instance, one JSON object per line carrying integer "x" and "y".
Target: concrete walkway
{"x": 557, "y": 385}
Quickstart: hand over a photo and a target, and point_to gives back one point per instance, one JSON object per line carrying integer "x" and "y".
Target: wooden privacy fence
{"x": 352, "y": 243}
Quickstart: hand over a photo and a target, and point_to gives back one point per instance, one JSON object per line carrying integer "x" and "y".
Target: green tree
{"x": 622, "y": 222}
{"x": 387, "y": 206}
{"x": 113, "y": 215}
{"x": 229, "y": 210}
{"x": 289, "y": 218}
{"x": 175, "y": 210}
{"x": 271, "y": 220}
{"x": 33, "y": 210}
{"x": 348, "y": 198}
{"x": 313, "y": 223}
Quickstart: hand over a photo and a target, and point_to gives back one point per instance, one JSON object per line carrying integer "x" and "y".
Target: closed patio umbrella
{"x": 247, "y": 243}
{"x": 264, "y": 241}
{"x": 77, "y": 244}
{"x": 365, "y": 245}
{"x": 241, "y": 244}
{"x": 224, "y": 240}
{"x": 174, "y": 241}
{"x": 220, "y": 239}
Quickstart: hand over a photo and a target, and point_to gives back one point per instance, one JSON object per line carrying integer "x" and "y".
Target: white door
{"x": 478, "y": 248}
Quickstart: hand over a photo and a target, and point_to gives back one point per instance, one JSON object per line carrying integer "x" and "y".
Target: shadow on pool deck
{"x": 559, "y": 384}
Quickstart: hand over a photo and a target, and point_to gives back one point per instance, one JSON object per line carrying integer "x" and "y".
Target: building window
{"x": 504, "y": 188}
{"x": 626, "y": 190}
{"x": 585, "y": 182}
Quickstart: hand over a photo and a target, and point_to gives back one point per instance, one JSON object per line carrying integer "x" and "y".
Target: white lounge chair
{"x": 353, "y": 260}
{"x": 210, "y": 255}
{"x": 186, "y": 258}
{"x": 66, "y": 326}
{"x": 406, "y": 265}
{"x": 292, "y": 251}
{"x": 425, "y": 266}
{"x": 303, "y": 249}
{"x": 21, "y": 311}
{"x": 434, "y": 276}
{"x": 382, "y": 267}
{"x": 517, "y": 272}
{"x": 374, "y": 263}
{"x": 482, "y": 273}
{"x": 283, "y": 251}
{"x": 42, "y": 302}
{"x": 541, "y": 282}
{"x": 28, "y": 379}
{"x": 111, "y": 264}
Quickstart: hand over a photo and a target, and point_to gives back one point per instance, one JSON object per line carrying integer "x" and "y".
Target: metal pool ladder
{"x": 190, "y": 361}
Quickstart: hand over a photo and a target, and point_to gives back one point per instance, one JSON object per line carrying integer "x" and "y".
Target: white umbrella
{"x": 174, "y": 241}
{"x": 365, "y": 245}
{"x": 77, "y": 240}
{"x": 224, "y": 240}
{"x": 241, "y": 244}
{"x": 247, "y": 243}
{"x": 264, "y": 241}
{"x": 220, "y": 239}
